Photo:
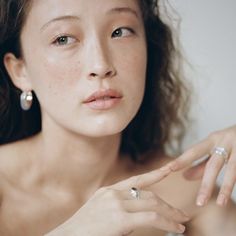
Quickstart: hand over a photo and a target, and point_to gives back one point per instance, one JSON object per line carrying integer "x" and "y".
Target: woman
{"x": 103, "y": 99}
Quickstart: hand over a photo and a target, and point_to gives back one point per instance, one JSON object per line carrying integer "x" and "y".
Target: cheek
{"x": 52, "y": 79}
{"x": 133, "y": 75}
{"x": 134, "y": 71}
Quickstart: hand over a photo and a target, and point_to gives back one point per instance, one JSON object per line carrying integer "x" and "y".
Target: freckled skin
{"x": 46, "y": 178}
{"x": 61, "y": 75}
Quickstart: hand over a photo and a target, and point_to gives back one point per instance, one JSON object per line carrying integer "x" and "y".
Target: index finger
{"x": 143, "y": 180}
{"x": 196, "y": 152}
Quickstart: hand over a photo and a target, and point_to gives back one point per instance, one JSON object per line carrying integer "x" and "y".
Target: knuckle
{"x": 134, "y": 179}
{"x": 101, "y": 190}
{"x": 230, "y": 133}
{"x": 126, "y": 221}
{"x": 191, "y": 152}
{"x": 213, "y": 164}
{"x": 111, "y": 193}
{"x": 204, "y": 189}
{"x": 117, "y": 205}
{"x": 152, "y": 217}
{"x": 232, "y": 166}
{"x": 215, "y": 135}
{"x": 154, "y": 202}
{"x": 121, "y": 219}
{"x": 208, "y": 167}
{"x": 226, "y": 190}
{"x": 151, "y": 196}
{"x": 138, "y": 180}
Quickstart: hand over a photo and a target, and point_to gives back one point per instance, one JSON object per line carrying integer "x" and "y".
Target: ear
{"x": 17, "y": 71}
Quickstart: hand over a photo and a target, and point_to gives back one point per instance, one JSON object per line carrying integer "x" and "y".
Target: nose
{"x": 100, "y": 63}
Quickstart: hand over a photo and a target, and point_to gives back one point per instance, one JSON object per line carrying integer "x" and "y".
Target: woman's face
{"x": 86, "y": 61}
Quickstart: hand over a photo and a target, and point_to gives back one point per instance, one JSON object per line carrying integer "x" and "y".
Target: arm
{"x": 213, "y": 220}
{"x": 208, "y": 170}
{"x": 112, "y": 210}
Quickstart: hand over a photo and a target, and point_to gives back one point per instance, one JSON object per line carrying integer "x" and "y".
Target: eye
{"x": 64, "y": 40}
{"x": 122, "y": 32}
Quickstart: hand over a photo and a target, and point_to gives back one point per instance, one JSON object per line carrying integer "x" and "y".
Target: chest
{"x": 27, "y": 214}
{"x": 32, "y": 213}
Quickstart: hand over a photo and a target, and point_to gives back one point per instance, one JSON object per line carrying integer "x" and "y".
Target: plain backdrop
{"x": 208, "y": 37}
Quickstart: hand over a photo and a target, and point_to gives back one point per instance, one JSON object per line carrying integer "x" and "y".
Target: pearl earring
{"x": 26, "y": 99}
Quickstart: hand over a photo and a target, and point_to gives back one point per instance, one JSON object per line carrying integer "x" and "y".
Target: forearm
{"x": 214, "y": 220}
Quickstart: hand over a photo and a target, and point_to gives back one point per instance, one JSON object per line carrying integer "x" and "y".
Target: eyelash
{"x": 131, "y": 31}
{"x": 66, "y": 37}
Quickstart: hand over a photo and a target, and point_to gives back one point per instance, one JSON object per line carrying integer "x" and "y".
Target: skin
{"x": 66, "y": 75}
{"x": 41, "y": 187}
{"x": 209, "y": 169}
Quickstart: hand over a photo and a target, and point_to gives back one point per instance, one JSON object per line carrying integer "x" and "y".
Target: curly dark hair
{"x": 163, "y": 113}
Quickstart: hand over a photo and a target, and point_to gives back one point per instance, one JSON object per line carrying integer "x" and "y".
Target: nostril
{"x": 93, "y": 74}
{"x": 109, "y": 73}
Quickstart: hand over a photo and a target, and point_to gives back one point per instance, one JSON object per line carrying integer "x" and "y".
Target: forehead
{"x": 45, "y": 10}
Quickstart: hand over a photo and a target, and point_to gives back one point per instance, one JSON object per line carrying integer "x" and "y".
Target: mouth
{"x": 103, "y": 99}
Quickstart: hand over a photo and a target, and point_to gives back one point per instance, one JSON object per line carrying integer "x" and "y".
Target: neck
{"x": 76, "y": 162}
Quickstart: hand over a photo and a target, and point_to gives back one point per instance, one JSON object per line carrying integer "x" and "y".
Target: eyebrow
{"x": 77, "y": 18}
{"x": 66, "y": 17}
{"x": 123, "y": 10}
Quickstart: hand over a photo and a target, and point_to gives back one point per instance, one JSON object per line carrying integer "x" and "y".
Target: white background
{"x": 208, "y": 36}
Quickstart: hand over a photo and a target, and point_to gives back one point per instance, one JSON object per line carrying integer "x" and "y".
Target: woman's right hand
{"x": 113, "y": 211}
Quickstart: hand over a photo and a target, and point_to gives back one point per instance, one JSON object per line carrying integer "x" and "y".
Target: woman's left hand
{"x": 220, "y": 147}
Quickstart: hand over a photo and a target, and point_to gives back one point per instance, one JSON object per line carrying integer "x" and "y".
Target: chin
{"x": 102, "y": 128}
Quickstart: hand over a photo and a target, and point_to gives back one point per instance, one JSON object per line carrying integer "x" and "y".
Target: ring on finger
{"x": 135, "y": 193}
{"x": 222, "y": 152}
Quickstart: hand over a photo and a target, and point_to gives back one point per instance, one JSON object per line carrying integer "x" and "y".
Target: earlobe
{"x": 17, "y": 72}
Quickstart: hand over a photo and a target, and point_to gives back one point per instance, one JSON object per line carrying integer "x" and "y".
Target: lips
{"x": 103, "y": 95}
{"x": 103, "y": 99}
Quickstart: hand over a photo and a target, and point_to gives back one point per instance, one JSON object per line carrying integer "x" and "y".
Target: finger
{"x": 143, "y": 180}
{"x": 151, "y": 218}
{"x": 228, "y": 182}
{"x": 157, "y": 205}
{"x": 213, "y": 167}
{"x": 200, "y": 150}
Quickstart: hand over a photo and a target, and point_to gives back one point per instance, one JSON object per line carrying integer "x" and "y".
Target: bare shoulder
{"x": 175, "y": 189}
{"x": 222, "y": 219}
{"x": 10, "y": 155}
{"x": 181, "y": 193}
{"x": 14, "y": 159}
{"x": 6, "y": 159}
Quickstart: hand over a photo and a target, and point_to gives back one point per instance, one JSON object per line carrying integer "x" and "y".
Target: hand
{"x": 210, "y": 168}
{"x": 113, "y": 211}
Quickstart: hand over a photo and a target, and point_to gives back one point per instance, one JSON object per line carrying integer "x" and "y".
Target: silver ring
{"x": 221, "y": 151}
{"x": 135, "y": 193}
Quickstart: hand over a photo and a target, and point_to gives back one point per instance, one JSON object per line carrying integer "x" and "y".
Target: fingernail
{"x": 221, "y": 200}
{"x": 181, "y": 229}
{"x": 201, "y": 200}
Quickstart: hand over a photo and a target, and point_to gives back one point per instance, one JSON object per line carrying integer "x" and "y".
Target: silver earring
{"x": 26, "y": 99}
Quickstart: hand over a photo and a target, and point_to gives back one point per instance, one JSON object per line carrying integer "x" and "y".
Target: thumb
{"x": 196, "y": 172}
